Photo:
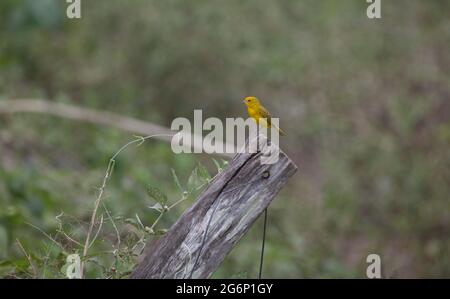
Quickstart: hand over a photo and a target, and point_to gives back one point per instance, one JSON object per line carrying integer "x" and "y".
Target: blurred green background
{"x": 365, "y": 103}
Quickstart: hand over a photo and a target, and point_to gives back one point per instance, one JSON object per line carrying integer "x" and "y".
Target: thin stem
{"x": 139, "y": 140}
{"x": 45, "y": 234}
{"x": 28, "y": 257}
{"x": 157, "y": 220}
{"x": 69, "y": 238}
{"x": 177, "y": 202}
{"x": 114, "y": 225}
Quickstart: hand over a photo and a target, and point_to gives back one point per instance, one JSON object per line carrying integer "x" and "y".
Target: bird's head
{"x": 251, "y": 101}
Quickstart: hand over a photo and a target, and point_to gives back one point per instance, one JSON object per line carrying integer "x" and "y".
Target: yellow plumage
{"x": 260, "y": 114}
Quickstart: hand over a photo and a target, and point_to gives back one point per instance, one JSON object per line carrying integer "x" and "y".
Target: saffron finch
{"x": 260, "y": 114}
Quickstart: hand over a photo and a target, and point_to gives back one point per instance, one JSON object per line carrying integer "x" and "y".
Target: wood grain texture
{"x": 235, "y": 198}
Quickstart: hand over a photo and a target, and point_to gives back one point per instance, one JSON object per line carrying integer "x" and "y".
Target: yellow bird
{"x": 260, "y": 114}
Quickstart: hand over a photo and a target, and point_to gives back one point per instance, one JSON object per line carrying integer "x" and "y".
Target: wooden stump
{"x": 197, "y": 243}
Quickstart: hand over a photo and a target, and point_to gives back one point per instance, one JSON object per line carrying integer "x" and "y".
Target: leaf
{"x": 157, "y": 195}
{"x": 157, "y": 207}
{"x": 6, "y": 263}
{"x": 224, "y": 163}
{"x": 192, "y": 181}
{"x": 22, "y": 264}
{"x": 219, "y": 168}
{"x": 139, "y": 221}
{"x": 176, "y": 180}
{"x": 203, "y": 172}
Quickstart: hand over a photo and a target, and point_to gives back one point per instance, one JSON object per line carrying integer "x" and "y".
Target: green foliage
{"x": 157, "y": 195}
{"x": 111, "y": 257}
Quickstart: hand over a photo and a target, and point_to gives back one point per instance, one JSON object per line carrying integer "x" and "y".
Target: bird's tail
{"x": 281, "y": 132}
{"x": 269, "y": 124}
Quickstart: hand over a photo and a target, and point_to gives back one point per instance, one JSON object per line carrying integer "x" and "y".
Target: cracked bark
{"x": 235, "y": 198}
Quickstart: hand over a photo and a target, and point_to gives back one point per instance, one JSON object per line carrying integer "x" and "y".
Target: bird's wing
{"x": 265, "y": 114}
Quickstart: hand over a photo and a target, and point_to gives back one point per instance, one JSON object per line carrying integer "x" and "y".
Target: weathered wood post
{"x": 197, "y": 243}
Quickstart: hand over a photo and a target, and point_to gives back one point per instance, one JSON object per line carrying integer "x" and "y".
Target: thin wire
{"x": 263, "y": 244}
